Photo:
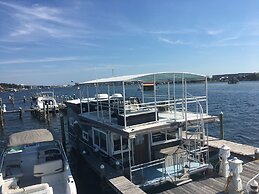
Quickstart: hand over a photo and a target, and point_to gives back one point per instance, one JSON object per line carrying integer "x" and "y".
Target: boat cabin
{"x": 151, "y": 135}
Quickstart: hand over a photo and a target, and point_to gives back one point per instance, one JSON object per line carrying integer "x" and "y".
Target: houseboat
{"x": 44, "y": 100}
{"x": 152, "y": 137}
{"x": 34, "y": 163}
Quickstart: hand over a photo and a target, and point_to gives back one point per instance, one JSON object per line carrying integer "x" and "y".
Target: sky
{"x": 54, "y": 42}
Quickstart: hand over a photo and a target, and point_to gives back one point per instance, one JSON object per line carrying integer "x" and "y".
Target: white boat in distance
{"x": 34, "y": 162}
{"x": 46, "y": 99}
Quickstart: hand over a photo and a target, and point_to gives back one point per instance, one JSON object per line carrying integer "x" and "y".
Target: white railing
{"x": 248, "y": 183}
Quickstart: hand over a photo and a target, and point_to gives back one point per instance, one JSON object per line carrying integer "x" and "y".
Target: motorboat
{"x": 44, "y": 100}
{"x": 33, "y": 162}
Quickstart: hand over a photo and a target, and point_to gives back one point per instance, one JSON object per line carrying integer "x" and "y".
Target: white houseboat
{"x": 34, "y": 163}
{"x": 152, "y": 136}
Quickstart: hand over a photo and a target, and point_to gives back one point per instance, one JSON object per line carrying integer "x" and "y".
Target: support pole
{"x": 185, "y": 112}
{"x": 207, "y": 100}
{"x": 124, "y": 104}
{"x": 63, "y": 135}
{"x": 182, "y": 95}
{"x": 129, "y": 161}
{"x": 221, "y": 118}
{"x": 88, "y": 100}
{"x": 97, "y": 100}
{"x": 122, "y": 161}
{"x": 154, "y": 82}
{"x": 81, "y": 105}
{"x": 109, "y": 104}
{"x": 168, "y": 93}
{"x": 174, "y": 99}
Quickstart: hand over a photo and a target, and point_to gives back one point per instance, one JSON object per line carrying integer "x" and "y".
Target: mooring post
{"x": 63, "y": 135}
{"x": 44, "y": 111}
{"x": 12, "y": 100}
{"x": 1, "y": 115}
{"x": 47, "y": 112}
{"x": 221, "y": 118}
{"x": 1, "y": 118}
{"x": 20, "y": 112}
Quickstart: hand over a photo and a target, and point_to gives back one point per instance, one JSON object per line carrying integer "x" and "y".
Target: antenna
{"x": 112, "y": 72}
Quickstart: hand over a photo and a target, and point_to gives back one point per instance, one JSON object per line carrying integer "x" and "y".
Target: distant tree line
{"x": 9, "y": 87}
{"x": 239, "y": 76}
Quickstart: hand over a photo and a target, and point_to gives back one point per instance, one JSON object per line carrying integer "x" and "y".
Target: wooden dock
{"x": 122, "y": 185}
{"x": 235, "y": 148}
{"x": 215, "y": 184}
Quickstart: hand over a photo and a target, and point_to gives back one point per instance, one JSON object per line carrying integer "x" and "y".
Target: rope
{"x": 230, "y": 176}
{"x": 227, "y": 183}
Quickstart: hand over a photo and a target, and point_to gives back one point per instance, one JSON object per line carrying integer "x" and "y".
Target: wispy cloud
{"x": 38, "y": 22}
{"x": 171, "y": 42}
{"x": 40, "y": 12}
{"x": 180, "y": 31}
{"x": 214, "y": 32}
{"x": 43, "y": 60}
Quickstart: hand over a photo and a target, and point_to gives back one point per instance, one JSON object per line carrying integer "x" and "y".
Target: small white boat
{"x": 46, "y": 99}
{"x": 34, "y": 162}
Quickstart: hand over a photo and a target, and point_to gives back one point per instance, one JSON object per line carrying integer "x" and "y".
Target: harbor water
{"x": 239, "y": 103}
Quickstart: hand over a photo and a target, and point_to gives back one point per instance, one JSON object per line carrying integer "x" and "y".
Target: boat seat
{"x": 39, "y": 188}
{"x": 13, "y": 170}
{"x": 47, "y": 168}
{"x": 49, "y": 155}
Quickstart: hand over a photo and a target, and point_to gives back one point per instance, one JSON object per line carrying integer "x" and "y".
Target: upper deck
{"x": 170, "y": 104}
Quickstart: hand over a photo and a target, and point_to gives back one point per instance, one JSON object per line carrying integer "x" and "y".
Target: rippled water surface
{"x": 239, "y": 103}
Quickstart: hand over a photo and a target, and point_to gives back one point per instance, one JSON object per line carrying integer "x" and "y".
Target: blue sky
{"x": 54, "y": 42}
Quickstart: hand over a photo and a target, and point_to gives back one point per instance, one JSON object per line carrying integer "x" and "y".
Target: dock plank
{"x": 216, "y": 184}
{"x": 122, "y": 185}
{"x": 237, "y": 148}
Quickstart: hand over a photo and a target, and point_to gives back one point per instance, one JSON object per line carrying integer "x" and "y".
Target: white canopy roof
{"x": 149, "y": 77}
{"x": 29, "y": 137}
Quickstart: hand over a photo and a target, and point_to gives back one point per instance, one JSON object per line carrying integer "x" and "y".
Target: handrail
{"x": 147, "y": 164}
{"x": 247, "y": 189}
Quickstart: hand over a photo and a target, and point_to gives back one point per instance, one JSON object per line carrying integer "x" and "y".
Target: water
{"x": 239, "y": 103}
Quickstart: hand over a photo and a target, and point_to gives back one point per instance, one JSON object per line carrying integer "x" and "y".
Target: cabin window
{"x": 117, "y": 144}
{"x": 100, "y": 140}
{"x": 159, "y": 136}
{"x": 164, "y": 137}
{"x": 85, "y": 135}
{"x": 103, "y": 141}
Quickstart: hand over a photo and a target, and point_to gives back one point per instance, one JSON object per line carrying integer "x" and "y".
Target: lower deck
{"x": 212, "y": 184}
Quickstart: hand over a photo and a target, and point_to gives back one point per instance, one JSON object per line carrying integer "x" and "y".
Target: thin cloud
{"x": 181, "y": 31}
{"x": 43, "y": 60}
{"x": 40, "y": 22}
{"x": 41, "y": 12}
{"x": 214, "y": 32}
{"x": 171, "y": 42}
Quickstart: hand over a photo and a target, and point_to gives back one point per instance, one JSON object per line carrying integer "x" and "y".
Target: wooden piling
{"x": 63, "y": 135}
{"x": 44, "y": 111}
{"x": 20, "y": 112}
{"x": 1, "y": 118}
{"x": 221, "y": 118}
{"x": 48, "y": 112}
{"x": 1, "y": 115}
